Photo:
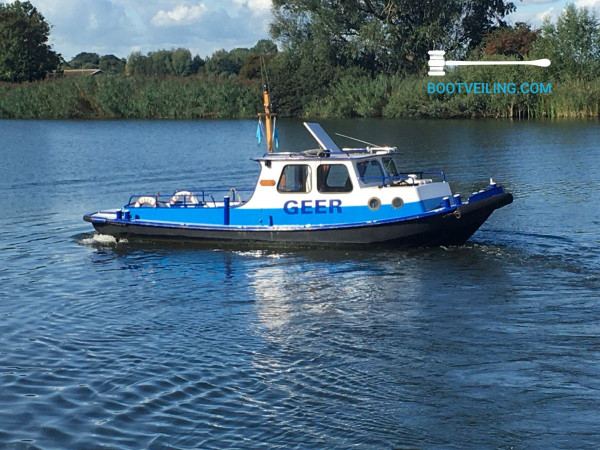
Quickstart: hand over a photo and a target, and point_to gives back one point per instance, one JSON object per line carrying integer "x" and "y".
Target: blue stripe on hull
{"x": 266, "y": 217}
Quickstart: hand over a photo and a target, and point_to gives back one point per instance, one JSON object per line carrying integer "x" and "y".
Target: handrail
{"x": 434, "y": 172}
{"x": 388, "y": 179}
{"x": 191, "y": 198}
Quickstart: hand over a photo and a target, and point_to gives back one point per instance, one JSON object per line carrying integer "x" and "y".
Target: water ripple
{"x": 127, "y": 345}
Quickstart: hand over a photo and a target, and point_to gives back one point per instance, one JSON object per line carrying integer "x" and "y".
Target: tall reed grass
{"x": 121, "y": 97}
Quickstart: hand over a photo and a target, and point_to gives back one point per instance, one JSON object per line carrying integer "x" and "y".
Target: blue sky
{"x": 123, "y": 26}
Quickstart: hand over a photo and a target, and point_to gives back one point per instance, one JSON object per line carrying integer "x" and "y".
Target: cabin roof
{"x": 321, "y": 155}
{"x": 328, "y": 149}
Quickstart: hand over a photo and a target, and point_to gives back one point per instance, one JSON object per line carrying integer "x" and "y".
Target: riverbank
{"x": 122, "y": 97}
{"x": 196, "y": 97}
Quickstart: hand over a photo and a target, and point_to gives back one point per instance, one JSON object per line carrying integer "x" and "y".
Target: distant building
{"x": 83, "y": 72}
{"x": 70, "y": 73}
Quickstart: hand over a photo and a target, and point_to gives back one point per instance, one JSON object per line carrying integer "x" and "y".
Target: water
{"x": 493, "y": 344}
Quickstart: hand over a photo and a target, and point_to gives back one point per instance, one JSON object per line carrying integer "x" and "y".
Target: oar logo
{"x": 437, "y": 63}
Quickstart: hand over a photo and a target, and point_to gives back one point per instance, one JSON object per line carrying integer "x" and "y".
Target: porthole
{"x": 374, "y": 203}
{"x": 397, "y": 202}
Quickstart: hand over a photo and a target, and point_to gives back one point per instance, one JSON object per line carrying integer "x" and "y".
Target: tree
{"x": 25, "y": 54}
{"x": 510, "y": 41}
{"x": 112, "y": 64}
{"x": 223, "y": 63}
{"x": 177, "y": 62}
{"x": 264, "y": 46}
{"x": 264, "y": 50}
{"x": 572, "y": 44}
{"x": 182, "y": 62}
{"x": 252, "y": 66}
{"x": 197, "y": 64}
{"x": 160, "y": 63}
{"x": 386, "y": 35}
{"x": 137, "y": 65}
{"x": 91, "y": 60}
{"x": 300, "y": 78}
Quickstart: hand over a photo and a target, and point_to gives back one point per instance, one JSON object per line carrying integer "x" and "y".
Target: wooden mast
{"x": 268, "y": 114}
{"x": 268, "y": 118}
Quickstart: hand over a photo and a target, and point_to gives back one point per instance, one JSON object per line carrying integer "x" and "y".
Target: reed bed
{"x": 121, "y": 97}
{"x": 196, "y": 97}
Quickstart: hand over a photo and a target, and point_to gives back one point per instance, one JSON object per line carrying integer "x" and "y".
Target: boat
{"x": 322, "y": 196}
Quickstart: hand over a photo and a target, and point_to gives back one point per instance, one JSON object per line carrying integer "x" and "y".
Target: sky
{"x": 121, "y": 27}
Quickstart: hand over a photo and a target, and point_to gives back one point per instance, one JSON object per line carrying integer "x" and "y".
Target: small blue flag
{"x": 276, "y": 137}
{"x": 258, "y": 133}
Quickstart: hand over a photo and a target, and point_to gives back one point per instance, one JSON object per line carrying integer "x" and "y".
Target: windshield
{"x": 390, "y": 167}
{"x": 370, "y": 171}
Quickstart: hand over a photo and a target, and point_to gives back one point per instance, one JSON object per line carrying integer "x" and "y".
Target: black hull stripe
{"x": 453, "y": 227}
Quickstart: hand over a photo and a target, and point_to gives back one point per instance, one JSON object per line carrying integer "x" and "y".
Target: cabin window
{"x": 333, "y": 178}
{"x": 390, "y": 167}
{"x": 294, "y": 178}
{"x": 370, "y": 171}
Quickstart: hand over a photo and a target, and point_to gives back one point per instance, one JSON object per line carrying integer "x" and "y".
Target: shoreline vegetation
{"x": 201, "y": 97}
{"x": 317, "y": 71}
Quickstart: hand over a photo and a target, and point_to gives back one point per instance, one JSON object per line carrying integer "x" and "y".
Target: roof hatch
{"x": 325, "y": 142}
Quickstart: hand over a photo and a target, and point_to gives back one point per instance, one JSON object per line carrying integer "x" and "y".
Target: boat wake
{"x": 101, "y": 240}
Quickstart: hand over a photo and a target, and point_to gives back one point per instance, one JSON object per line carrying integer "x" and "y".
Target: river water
{"x": 494, "y": 344}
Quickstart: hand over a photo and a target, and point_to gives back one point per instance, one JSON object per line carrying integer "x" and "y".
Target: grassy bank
{"x": 121, "y": 97}
{"x": 394, "y": 97}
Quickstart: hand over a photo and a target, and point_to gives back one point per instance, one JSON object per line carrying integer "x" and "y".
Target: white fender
{"x": 184, "y": 196}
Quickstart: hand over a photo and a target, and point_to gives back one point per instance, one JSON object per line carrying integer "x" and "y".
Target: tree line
{"x": 243, "y": 62}
{"x": 334, "y": 59}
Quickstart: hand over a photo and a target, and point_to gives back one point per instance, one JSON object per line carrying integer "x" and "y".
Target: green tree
{"x": 264, "y": 46}
{"x": 177, "y": 62}
{"x": 24, "y": 51}
{"x": 572, "y": 44}
{"x": 300, "y": 78}
{"x": 181, "y": 62}
{"x": 112, "y": 64}
{"x": 83, "y": 59}
{"x": 160, "y": 63}
{"x": 386, "y": 35}
{"x": 197, "y": 64}
{"x": 264, "y": 49}
{"x": 252, "y": 66}
{"x": 137, "y": 65}
{"x": 223, "y": 63}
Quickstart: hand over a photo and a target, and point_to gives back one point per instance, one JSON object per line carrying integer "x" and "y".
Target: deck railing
{"x": 191, "y": 198}
{"x": 387, "y": 180}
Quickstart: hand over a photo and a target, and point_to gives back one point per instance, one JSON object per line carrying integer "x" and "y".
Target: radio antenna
{"x": 357, "y": 140}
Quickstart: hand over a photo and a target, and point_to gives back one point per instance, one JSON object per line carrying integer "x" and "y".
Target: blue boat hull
{"x": 453, "y": 226}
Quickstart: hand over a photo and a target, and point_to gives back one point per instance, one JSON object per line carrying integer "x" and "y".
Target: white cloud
{"x": 180, "y": 15}
{"x": 258, "y": 6}
{"x": 539, "y": 2}
{"x": 92, "y": 22}
{"x": 534, "y": 14}
{"x": 549, "y": 13}
{"x": 121, "y": 26}
{"x": 588, "y": 3}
